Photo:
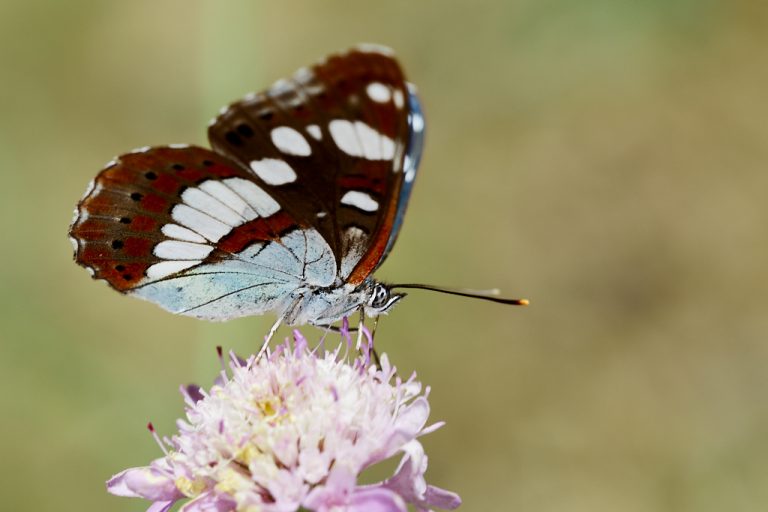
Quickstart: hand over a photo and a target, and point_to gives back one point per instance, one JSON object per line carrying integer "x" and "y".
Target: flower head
{"x": 292, "y": 431}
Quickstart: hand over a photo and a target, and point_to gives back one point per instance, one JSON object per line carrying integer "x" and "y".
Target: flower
{"x": 293, "y": 431}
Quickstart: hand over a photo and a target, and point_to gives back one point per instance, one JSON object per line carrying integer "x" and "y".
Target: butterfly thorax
{"x": 326, "y": 305}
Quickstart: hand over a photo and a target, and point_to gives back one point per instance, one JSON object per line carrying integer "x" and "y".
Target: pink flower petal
{"x": 440, "y": 498}
{"x": 335, "y": 492}
{"x": 376, "y": 500}
{"x": 209, "y": 502}
{"x": 287, "y": 489}
{"x": 408, "y": 481}
{"x": 161, "y": 506}
{"x": 144, "y": 482}
{"x": 117, "y": 486}
{"x": 192, "y": 394}
{"x": 413, "y": 417}
{"x": 431, "y": 428}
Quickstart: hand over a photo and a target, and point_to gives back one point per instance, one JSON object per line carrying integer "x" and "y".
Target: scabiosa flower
{"x": 293, "y": 431}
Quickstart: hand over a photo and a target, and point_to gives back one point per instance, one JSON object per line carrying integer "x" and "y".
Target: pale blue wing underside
{"x": 264, "y": 277}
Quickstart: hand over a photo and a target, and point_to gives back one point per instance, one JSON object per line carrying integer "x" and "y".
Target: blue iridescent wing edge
{"x": 416, "y": 130}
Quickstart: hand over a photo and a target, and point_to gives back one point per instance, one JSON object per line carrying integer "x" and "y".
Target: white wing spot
{"x": 369, "y": 138}
{"x": 417, "y": 122}
{"x": 225, "y": 194}
{"x": 359, "y": 139}
{"x": 75, "y": 246}
{"x": 282, "y": 86}
{"x": 302, "y": 74}
{"x": 254, "y": 196}
{"x": 399, "y": 99}
{"x": 273, "y": 171}
{"x": 290, "y": 141}
{"x": 175, "y": 250}
{"x": 378, "y": 92}
{"x": 209, "y": 205}
{"x": 343, "y": 133}
{"x": 89, "y": 188}
{"x": 360, "y": 200}
{"x": 199, "y": 222}
{"x": 166, "y": 268}
{"x": 410, "y": 170}
{"x": 313, "y": 89}
{"x": 314, "y": 131}
{"x": 181, "y": 233}
{"x": 375, "y": 48}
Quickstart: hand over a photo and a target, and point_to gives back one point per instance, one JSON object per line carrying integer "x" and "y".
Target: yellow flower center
{"x": 190, "y": 488}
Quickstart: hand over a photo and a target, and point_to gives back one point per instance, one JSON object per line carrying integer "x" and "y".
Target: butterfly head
{"x": 380, "y": 298}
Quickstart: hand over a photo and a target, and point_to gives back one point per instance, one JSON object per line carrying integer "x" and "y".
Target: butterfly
{"x": 298, "y": 202}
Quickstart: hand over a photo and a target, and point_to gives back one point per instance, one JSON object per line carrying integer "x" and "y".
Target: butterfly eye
{"x": 379, "y": 297}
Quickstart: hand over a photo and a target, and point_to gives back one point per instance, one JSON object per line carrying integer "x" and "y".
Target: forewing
{"x": 189, "y": 230}
{"x": 330, "y": 144}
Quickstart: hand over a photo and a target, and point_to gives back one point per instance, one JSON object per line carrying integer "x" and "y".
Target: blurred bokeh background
{"x": 606, "y": 159}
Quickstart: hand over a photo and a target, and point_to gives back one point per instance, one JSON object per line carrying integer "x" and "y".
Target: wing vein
{"x": 223, "y": 296}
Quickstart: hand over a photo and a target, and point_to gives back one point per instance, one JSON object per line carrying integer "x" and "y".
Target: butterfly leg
{"x": 361, "y": 332}
{"x": 269, "y": 336}
{"x": 360, "y": 325}
{"x": 375, "y": 325}
{"x": 373, "y": 347}
{"x": 333, "y": 328}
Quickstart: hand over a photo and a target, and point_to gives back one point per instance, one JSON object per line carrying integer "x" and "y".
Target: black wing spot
{"x": 207, "y": 163}
{"x": 127, "y": 277}
{"x": 119, "y": 268}
{"x": 233, "y": 139}
{"x": 136, "y": 196}
{"x": 150, "y": 175}
{"x": 244, "y": 130}
{"x": 117, "y": 244}
{"x": 177, "y": 167}
{"x": 125, "y": 220}
{"x": 266, "y": 115}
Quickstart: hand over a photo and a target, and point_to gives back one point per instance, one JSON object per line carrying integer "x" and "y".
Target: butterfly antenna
{"x": 491, "y": 295}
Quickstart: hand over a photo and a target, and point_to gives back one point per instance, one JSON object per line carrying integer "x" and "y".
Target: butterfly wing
{"x": 337, "y": 146}
{"x": 188, "y": 229}
{"x": 306, "y": 187}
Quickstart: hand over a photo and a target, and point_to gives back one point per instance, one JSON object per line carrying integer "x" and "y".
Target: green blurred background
{"x": 605, "y": 158}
